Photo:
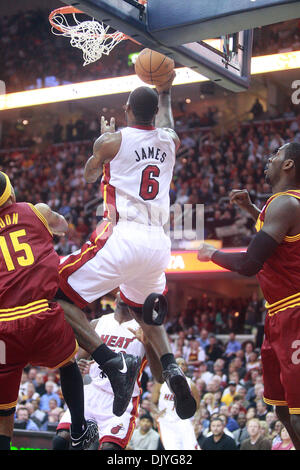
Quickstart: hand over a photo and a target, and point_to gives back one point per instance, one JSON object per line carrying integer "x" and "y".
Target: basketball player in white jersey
{"x": 120, "y": 332}
{"x": 130, "y": 249}
{"x": 175, "y": 433}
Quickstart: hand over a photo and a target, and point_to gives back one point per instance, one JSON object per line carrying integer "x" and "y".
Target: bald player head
{"x": 142, "y": 105}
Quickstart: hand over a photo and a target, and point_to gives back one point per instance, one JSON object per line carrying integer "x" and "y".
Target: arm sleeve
{"x": 249, "y": 263}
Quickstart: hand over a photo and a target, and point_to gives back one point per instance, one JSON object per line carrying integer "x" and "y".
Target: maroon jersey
{"x": 279, "y": 277}
{"x": 29, "y": 263}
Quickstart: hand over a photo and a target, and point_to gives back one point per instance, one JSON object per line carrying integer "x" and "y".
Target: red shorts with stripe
{"x": 280, "y": 355}
{"x": 41, "y": 339}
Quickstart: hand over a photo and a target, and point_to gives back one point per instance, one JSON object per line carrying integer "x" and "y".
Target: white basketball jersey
{"x": 166, "y": 402}
{"x": 137, "y": 180}
{"x": 118, "y": 338}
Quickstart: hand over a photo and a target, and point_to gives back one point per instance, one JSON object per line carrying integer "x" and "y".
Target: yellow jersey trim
{"x": 23, "y": 311}
{"x": 7, "y": 406}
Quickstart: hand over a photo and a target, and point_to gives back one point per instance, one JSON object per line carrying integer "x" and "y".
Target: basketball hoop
{"x": 90, "y": 36}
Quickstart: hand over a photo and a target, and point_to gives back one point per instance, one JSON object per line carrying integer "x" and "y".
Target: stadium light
{"x": 109, "y": 86}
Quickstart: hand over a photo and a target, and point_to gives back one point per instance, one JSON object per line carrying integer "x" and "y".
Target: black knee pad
{"x": 61, "y": 443}
{"x": 110, "y": 446}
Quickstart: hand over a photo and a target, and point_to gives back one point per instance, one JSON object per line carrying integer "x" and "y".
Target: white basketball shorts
{"x": 129, "y": 256}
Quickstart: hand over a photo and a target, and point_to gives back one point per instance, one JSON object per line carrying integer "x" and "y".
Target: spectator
{"x": 23, "y": 421}
{"x": 31, "y": 394}
{"x": 218, "y": 440}
{"x": 213, "y": 350}
{"x": 227, "y": 398}
{"x": 285, "y": 443}
{"x": 241, "y": 433}
{"x": 261, "y": 410}
{"x": 232, "y": 346}
{"x": 194, "y": 356}
{"x": 210, "y": 403}
{"x": 255, "y": 440}
{"x": 48, "y": 396}
{"x": 144, "y": 436}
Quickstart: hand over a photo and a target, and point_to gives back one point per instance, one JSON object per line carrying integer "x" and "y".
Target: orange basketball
{"x": 153, "y": 68}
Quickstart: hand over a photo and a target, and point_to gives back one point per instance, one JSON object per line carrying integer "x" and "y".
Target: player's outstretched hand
{"x": 105, "y": 127}
{"x": 241, "y": 198}
{"x": 166, "y": 86}
{"x": 205, "y": 252}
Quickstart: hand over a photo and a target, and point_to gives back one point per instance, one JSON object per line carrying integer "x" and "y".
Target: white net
{"x": 90, "y": 36}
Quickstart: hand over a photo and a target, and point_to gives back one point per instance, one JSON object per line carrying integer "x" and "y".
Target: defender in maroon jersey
{"x": 274, "y": 256}
{"x": 32, "y": 327}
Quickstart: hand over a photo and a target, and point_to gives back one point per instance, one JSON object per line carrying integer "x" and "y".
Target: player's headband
{"x": 7, "y": 191}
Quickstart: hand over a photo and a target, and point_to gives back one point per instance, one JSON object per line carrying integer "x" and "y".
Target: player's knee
{"x": 110, "y": 446}
{"x": 61, "y": 440}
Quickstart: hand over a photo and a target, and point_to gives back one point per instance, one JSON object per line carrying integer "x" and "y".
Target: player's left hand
{"x": 139, "y": 334}
{"x": 166, "y": 86}
{"x": 205, "y": 252}
{"x": 105, "y": 127}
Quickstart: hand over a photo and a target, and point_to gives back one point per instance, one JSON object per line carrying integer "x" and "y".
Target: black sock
{"x": 103, "y": 354}
{"x": 167, "y": 359}
{"x": 72, "y": 390}
{"x": 4, "y": 442}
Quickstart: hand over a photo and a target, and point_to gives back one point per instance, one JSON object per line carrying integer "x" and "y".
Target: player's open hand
{"x": 139, "y": 334}
{"x": 205, "y": 252}
{"x": 105, "y": 127}
{"x": 166, "y": 86}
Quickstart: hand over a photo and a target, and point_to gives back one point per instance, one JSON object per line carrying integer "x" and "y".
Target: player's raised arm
{"x": 104, "y": 150}
{"x": 164, "y": 117}
{"x": 281, "y": 216}
{"x": 241, "y": 198}
{"x": 57, "y": 223}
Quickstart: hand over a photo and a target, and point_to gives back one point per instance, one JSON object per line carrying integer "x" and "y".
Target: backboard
{"x": 180, "y": 29}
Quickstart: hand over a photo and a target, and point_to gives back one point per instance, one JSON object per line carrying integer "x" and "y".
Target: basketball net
{"x": 91, "y": 36}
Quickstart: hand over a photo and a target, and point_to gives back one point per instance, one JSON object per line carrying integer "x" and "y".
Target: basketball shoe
{"x": 122, "y": 372}
{"x": 89, "y": 439}
{"x": 185, "y": 404}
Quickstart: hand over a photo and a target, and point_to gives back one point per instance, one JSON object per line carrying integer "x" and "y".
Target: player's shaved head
{"x": 143, "y": 102}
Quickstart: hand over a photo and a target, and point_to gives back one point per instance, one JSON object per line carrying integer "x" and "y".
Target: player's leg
{"x": 84, "y": 433}
{"x": 85, "y": 276}
{"x": 279, "y": 353}
{"x": 6, "y": 429}
{"x": 61, "y": 440}
{"x": 121, "y": 369}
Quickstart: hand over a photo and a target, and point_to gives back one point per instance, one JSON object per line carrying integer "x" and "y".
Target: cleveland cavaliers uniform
{"x": 175, "y": 433}
{"x": 29, "y": 322}
{"x": 99, "y": 395}
{"x": 279, "y": 279}
{"x": 129, "y": 249}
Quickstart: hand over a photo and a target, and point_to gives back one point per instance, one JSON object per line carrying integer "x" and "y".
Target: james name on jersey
{"x": 150, "y": 153}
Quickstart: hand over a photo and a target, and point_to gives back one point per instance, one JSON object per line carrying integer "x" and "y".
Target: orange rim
{"x": 68, "y": 10}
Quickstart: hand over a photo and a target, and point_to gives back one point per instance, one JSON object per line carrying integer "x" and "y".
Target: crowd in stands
{"x": 45, "y": 58}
